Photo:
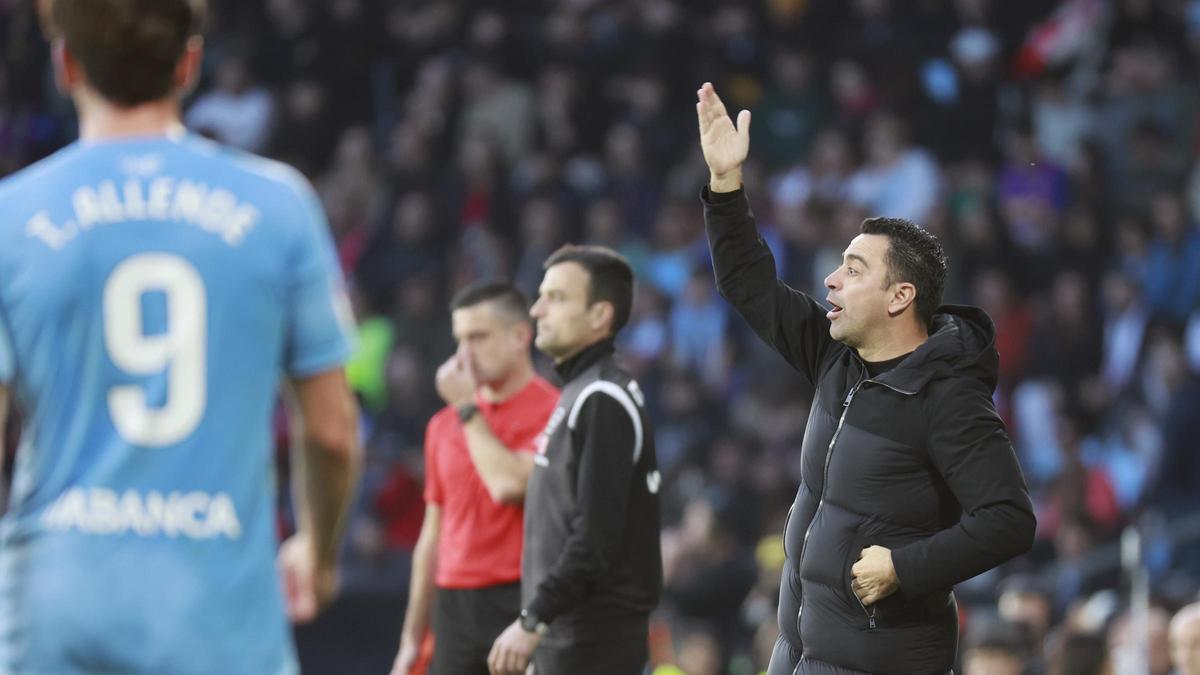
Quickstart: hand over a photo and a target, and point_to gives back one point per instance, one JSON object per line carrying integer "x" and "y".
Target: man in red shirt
{"x": 478, "y": 457}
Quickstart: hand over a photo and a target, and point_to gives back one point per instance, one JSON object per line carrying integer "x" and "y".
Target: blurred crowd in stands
{"x": 1051, "y": 145}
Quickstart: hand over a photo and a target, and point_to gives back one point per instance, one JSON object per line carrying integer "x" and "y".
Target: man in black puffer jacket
{"x": 909, "y": 483}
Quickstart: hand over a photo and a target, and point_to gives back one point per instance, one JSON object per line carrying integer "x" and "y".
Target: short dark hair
{"x": 128, "y": 48}
{"x": 914, "y": 256}
{"x": 611, "y": 277}
{"x": 506, "y": 296}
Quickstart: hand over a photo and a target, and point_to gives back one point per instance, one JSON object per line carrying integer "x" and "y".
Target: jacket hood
{"x": 962, "y": 344}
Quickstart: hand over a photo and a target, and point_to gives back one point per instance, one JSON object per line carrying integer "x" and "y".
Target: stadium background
{"x": 1052, "y": 147}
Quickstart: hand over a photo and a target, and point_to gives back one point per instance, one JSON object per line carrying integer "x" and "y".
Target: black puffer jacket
{"x": 916, "y": 460}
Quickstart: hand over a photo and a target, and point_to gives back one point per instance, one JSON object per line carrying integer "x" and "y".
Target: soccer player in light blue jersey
{"x": 155, "y": 290}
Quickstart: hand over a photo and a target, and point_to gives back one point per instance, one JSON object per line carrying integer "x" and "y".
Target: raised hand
{"x": 725, "y": 146}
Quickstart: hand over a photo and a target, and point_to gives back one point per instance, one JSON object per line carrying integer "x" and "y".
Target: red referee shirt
{"x": 480, "y": 542}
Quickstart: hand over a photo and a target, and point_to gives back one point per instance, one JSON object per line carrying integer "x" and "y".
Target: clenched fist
{"x": 873, "y": 577}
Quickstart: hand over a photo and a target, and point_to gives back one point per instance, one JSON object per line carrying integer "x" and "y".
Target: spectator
{"x": 792, "y": 112}
{"x": 1080, "y": 654}
{"x": 1061, "y": 120}
{"x": 1032, "y": 194}
{"x": 706, "y": 575}
{"x": 1124, "y": 329}
{"x": 899, "y": 180}
{"x": 1026, "y": 602}
{"x": 698, "y": 328}
{"x": 237, "y": 111}
{"x": 1124, "y": 644}
{"x": 497, "y": 108}
{"x": 995, "y": 648}
{"x": 1172, "y": 277}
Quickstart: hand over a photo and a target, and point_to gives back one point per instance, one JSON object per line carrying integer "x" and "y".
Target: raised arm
{"x": 786, "y": 319}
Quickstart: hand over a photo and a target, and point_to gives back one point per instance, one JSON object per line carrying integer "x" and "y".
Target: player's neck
{"x": 101, "y": 120}
{"x": 894, "y": 343}
{"x": 504, "y": 389}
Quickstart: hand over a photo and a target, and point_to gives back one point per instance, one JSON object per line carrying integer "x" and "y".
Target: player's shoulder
{"x": 17, "y": 184}
{"x": 280, "y": 194}
{"x": 611, "y": 384}
{"x": 24, "y": 191}
{"x": 251, "y": 167}
{"x": 611, "y": 370}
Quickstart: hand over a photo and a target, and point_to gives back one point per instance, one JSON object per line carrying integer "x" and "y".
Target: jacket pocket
{"x": 867, "y": 618}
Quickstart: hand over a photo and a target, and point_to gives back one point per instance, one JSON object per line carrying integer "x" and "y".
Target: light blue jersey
{"x": 153, "y": 294}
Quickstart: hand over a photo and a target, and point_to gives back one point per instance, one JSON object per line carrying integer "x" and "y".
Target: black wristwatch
{"x": 531, "y": 624}
{"x": 466, "y": 411}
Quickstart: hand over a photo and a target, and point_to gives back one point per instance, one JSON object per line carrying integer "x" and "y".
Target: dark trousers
{"x": 465, "y": 624}
{"x": 615, "y": 658}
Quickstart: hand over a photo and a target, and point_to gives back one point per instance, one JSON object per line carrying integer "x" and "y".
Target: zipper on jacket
{"x": 898, "y": 390}
{"x": 869, "y": 612}
{"x": 824, "y": 478}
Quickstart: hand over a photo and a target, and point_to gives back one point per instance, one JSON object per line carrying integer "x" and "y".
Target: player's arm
{"x": 327, "y": 458}
{"x": 972, "y": 452}
{"x": 786, "y": 319}
{"x": 505, "y": 472}
{"x": 420, "y": 591}
{"x": 325, "y": 452}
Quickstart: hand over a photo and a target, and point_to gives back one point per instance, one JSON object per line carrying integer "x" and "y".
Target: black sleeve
{"x": 789, "y": 321}
{"x": 607, "y": 437}
{"x": 969, "y": 447}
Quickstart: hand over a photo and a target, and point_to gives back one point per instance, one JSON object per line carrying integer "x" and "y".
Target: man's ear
{"x": 904, "y": 295}
{"x": 187, "y": 71}
{"x": 600, "y": 315}
{"x": 67, "y": 73}
{"x": 523, "y": 330}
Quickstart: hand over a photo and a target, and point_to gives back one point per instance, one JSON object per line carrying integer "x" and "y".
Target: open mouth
{"x": 833, "y": 313}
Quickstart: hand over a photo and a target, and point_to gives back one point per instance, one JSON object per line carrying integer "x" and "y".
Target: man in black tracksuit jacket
{"x": 591, "y": 567}
{"x": 909, "y": 483}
